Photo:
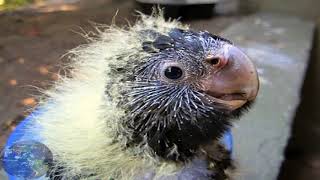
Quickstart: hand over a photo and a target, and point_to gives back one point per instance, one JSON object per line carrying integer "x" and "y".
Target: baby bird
{"x": 148, "y": 101}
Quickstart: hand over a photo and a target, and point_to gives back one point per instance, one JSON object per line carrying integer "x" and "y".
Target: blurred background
{"x": 34, "y": 34}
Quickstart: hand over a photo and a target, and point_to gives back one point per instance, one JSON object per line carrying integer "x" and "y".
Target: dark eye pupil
{"x": 173, "y": 72}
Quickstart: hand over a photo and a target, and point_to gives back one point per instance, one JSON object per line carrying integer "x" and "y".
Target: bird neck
{"x": 181, "y": 143}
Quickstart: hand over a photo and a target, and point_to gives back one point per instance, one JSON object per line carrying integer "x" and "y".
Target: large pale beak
{"x": 233, "y": 79}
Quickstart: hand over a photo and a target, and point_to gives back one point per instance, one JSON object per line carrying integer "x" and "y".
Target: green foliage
{"x": 12, "y": 4}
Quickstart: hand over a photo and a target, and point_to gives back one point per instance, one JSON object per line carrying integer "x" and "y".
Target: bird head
{"x": 186, "y": 91}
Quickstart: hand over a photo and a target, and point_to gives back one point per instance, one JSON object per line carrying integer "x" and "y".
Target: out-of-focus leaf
{"x": 29, "y": 101}
{"x": 13, "y": 82}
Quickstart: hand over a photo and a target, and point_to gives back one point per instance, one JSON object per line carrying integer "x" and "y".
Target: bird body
{"x": 139, "y": 104}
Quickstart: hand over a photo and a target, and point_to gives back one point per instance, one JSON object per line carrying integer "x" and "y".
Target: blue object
{"x": 25, "y": 157}
{"x": 227, "y": 140}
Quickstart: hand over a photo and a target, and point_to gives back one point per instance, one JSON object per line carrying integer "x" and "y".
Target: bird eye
{"x": 173, "y": 72}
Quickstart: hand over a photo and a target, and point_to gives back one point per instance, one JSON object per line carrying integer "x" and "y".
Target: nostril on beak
{"x": 216, "y": 61}
{"x": 213, "y": 61}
